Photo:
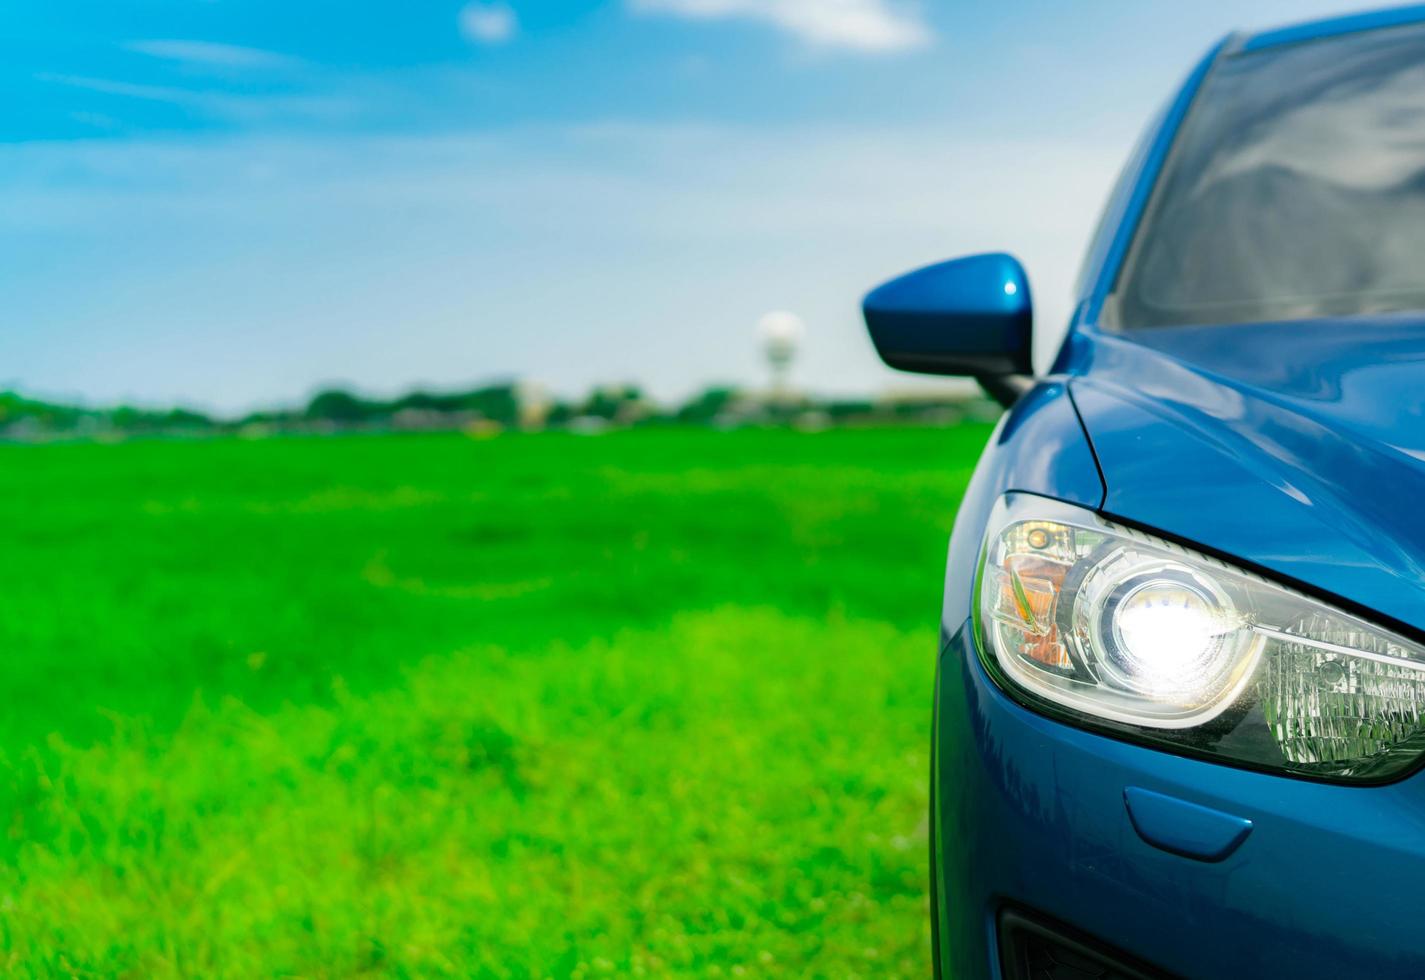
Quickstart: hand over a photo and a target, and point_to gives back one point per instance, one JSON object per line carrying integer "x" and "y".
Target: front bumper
{"x": 1030, "y": 814}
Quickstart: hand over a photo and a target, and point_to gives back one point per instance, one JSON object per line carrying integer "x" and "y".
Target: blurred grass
{"x": 649, "y": 703}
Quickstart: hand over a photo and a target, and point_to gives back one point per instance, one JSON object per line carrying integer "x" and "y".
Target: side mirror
{"x": 969, "y": 316}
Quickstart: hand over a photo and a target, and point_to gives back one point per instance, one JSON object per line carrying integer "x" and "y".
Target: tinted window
{"x": 1296, "y": 189}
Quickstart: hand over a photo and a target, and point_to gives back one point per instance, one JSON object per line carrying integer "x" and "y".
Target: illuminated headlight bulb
{"x": 1097, "y": 624}
{"x": 1167, "y": 639}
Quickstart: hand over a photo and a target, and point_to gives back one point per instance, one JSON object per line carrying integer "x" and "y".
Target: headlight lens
{"x": 1126, "y": 631}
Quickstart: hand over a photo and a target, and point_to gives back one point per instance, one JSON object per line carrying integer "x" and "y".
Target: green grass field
{"x": 649, "y": 703}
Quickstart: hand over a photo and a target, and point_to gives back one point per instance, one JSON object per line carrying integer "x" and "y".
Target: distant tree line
{"x": 488, "y": 408}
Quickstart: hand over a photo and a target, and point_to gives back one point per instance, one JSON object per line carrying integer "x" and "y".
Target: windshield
{"x": 1296, "y": 189}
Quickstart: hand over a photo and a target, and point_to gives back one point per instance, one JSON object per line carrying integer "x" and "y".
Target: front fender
{"x": 1038, "y": 447}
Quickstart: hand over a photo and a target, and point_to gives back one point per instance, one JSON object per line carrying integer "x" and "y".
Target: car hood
{"x": 1298, "y": 448}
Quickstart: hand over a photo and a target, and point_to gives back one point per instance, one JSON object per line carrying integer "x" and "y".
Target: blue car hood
{"x": 1297, "y": 448}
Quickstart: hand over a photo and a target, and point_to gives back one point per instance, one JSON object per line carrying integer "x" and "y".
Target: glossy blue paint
{"x": 1369, "y": 21}
{"x": 1179, "y": 827}
{"x": 1296, "y": 449}
{"x": 1038, "y": 447}
{"x": 970, "y": 316}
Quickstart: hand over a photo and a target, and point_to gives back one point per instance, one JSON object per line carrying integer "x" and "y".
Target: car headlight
{"x": 1120, "y": 630}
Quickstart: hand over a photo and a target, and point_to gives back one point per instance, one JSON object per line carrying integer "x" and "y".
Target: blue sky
{"x": 229, "y": 203}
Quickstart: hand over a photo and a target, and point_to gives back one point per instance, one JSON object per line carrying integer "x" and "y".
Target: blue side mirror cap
{"x": 970, "y": 316}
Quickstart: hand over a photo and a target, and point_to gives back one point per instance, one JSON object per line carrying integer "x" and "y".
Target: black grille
{"x": 1032, "y": 948}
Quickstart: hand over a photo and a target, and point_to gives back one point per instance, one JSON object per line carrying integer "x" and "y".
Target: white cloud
{"x": 210, "y": 54}
{"x": 875, "y": 26}
{"x": 488, "y": 23}
{"x": 235, "y": 108}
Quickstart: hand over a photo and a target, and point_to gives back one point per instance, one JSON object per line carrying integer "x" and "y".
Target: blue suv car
{"x": 1180, "y": 708}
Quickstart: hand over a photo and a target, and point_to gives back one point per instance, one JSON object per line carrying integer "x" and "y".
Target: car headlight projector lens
{"x": 1121, "y": 630}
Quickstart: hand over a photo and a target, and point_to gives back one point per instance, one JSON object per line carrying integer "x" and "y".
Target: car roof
{"x": 1347, "y": 24}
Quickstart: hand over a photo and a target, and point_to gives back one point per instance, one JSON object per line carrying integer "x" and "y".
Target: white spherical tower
{"x": 781, "y": 334}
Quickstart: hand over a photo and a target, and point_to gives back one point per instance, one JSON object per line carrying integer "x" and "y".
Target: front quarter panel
{"x": 1038, "y": 447}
